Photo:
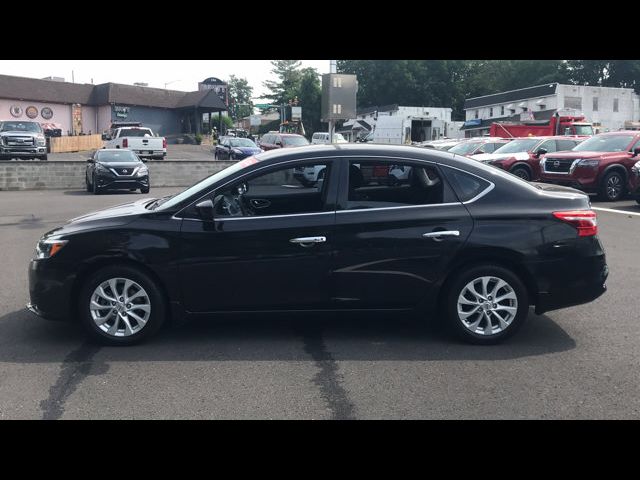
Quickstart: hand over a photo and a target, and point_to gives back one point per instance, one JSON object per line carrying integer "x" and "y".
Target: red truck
{"x": 561, "y": 123}
{"x": 602, "y": 164}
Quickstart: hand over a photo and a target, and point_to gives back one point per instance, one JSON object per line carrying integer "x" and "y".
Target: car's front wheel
{"x": 613, "y": 188}
{"x": 486, "y": 304}
{"x": 94, "y": 186}
{"x": 120, "y": 305}
{"x": 522, "y": 172}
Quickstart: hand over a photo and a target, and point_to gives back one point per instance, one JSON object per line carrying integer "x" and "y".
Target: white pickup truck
{"x": 141, "y": 140}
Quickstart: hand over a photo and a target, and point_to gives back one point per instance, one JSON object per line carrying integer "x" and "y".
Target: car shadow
{"x": 25, "y": 338}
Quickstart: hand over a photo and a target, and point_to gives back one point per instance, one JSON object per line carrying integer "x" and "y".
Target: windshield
{"x": 242, "y": 142}
{"x": 20, "y": 127}
{"x": 116, "y": 156}
{"x": 524, "y": 145}
{"x": 207, "y": 182}
{"x": 135, "y": 132}
{"x": 584, "y": 130}
{"x": 605, "y": 143}
{"x": 294, "y": 141}
{"x": 464, "y": 148}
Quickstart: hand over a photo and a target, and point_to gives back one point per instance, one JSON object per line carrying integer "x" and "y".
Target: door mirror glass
{"x": 205, "y": 210}
{"x": 89, "y": 160}
{"x": 636, "y": 151}
{"x": 541, "y": 151}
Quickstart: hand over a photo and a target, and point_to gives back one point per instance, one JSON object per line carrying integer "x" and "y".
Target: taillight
{"x": 164, "y": 142}
{"x": 584, "y": 220}
{"x": 125, "y": 143}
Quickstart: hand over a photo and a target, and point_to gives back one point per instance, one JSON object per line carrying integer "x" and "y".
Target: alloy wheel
{"x": 614, "y": 186}
{"x": 120, "y": 307}
{"x": 487, "y": 305}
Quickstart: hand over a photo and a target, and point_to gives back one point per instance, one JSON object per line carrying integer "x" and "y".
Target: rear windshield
{"x": 294, "y": 141}
{"x": 20, "y": 127}
{"x": 464, "y": 148}
{"x": 514, "y": 146}
{"x": 119, "y": 156}
{"x": 135, "y": 132}
{"x": 241, "y": 142}
{"x": 605, "y": 143}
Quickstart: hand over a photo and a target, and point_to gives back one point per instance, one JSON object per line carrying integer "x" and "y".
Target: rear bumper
{"x": 564, "y": 285}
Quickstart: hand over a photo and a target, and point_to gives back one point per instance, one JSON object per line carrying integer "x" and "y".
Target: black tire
{"x": 145, "y": 190}
{"x": 522, "y": 172}
{"x": 215, "y": 155}
{"x": 88, "y": 185}
{"x": 44, "y": 158}
{"x": 613, "y": 187}
{"x": 456, "y": 288}
{"x": 156, "y": 317}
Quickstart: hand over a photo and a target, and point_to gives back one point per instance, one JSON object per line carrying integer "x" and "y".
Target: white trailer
{"x": 405, "y": 130}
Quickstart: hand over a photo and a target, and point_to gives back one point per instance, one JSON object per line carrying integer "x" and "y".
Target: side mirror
{"x": 205, "y": 210}
{"x": 89, "y": 160}
{"x": 636, "y": 151}
{"x": 279, "y": 144}
{"x": 106, "y": 136}
{"x": 541, "y": 151}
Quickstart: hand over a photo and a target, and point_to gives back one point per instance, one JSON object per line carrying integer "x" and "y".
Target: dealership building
{"x": 606, "y": 107}
{"x": 78, "y": 109}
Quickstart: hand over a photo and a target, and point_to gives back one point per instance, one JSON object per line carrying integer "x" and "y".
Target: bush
{"x": 198, "y": 139}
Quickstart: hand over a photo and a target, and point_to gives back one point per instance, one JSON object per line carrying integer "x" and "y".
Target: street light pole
{"x": 169, "y": 83}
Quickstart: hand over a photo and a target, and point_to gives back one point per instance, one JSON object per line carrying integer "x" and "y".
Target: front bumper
{"x": 17, "y": 151}
{"x": 50, "y": 289}
{"x": 112, "y": 182}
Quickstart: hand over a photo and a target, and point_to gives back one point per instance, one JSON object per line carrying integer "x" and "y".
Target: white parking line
{"x": 624, "y": 212}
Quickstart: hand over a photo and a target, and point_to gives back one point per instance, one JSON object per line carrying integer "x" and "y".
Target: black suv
{"x": 462, "y": 241}
{"x": 113, "y": 169}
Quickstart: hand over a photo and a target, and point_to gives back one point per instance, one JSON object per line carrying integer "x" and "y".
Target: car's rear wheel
{"x": 612, "y": 188}
{"x": 486, "y": 304}
{"x": 120, "y": 305}
{"x": 522, "y": 172}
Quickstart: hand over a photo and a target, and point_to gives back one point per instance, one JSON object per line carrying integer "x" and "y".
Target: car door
{"x": 393, "y": 241}
{"x": 261, "y": 259}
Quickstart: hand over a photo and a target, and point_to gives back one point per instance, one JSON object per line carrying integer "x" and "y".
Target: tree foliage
{"x": 240, "y": 92}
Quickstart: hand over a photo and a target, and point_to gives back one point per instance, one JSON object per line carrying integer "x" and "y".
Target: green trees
{"x": 240, "y": 92}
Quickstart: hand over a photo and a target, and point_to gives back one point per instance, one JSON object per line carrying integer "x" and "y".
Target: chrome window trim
{"x": 337, "y": 158}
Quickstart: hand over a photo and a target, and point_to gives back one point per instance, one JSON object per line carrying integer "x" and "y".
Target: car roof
{"x": 619, "y": 132}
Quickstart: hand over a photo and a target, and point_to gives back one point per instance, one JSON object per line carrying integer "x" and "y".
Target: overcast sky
{"x": 176, "y": 74}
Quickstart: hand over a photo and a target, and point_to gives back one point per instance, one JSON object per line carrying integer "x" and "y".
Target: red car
{"x": 274, "y": 140}
{"x": 521, "y": 156}
{"x": 479, "y": 145}
{"x": 602, "y": 164}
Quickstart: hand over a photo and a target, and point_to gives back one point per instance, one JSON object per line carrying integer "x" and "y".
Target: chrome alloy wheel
{"x": 120, "y": 307}
{"x": 614, "y": 186}
{"x": 487, "y": 305}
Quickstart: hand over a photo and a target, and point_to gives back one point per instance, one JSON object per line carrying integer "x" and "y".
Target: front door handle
{"x": 307, "y": 242}
{"x": 442, "y": 233}
{"x": 260, "y": 203}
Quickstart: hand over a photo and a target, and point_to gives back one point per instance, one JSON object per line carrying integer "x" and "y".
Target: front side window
{"x": 566, "y": 144}
{"x": 549, "y": 146}
{"x": 383, "y": 184}
{"x": 283, "y": 191}
{"x": 521, "y": 145}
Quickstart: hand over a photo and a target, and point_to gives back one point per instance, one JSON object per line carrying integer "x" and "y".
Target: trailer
{"x": 563, "y": 122}
{"x": 401, "y": 130}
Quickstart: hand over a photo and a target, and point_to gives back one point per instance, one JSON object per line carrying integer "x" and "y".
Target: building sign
{"x": 46, "y": 113}
{"x": 121, "y": 112}
{"x": 220, "y": 87}
{"x": 32, "y": 112}
{"x": 476, "y": 122}
{"x": 338, "y": 96}
{"x": 76, "y": 118}
{"x": 296, "y": 113}
{"x": 16, "y": 111}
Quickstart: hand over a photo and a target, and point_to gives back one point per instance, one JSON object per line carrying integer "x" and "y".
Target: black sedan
{"x": 231, "y": 148}
{"x": 116, "y": 169}
{"x": 460, "y": 241}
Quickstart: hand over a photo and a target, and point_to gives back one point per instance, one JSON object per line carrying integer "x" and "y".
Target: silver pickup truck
{"x": 22, "y": 139}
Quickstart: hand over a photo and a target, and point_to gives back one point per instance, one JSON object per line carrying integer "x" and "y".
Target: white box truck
{"x": 405, "y": 130}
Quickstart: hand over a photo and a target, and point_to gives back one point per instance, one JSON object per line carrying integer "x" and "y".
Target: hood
{"x": 131, "y": 165}
{"x": 483, "y": 157}
{"x": 585, "y": 154}
{"x": 250, "y": 150}
{"x": 112, "y": 216}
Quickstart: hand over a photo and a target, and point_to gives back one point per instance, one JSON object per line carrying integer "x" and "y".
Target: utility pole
{"x": 333, "y": 68}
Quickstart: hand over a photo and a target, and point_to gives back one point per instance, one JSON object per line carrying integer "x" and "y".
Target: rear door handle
{"x": 443, "y": 233}
{"x": 307, "y": 242}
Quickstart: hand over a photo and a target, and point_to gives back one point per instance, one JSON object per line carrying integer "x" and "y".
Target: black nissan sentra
{"x": 459, "y": 242}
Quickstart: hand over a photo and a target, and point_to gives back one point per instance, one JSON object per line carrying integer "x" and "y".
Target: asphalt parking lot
{"x": 576, "y": 363}
{"x": 174, "y": 152}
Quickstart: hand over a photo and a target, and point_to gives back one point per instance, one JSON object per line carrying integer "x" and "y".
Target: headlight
{"x": 48, "y": 248}
{"x": 142, "y": 171}
{"x": 588, "y": 163}
{"x": 636, "y": 168}
{"x": 40, "y": 141}
{"x": 101, "y": 168}
{"x": 235, "y": 150}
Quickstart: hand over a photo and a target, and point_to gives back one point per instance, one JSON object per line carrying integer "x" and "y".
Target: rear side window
{"x": 467, "y": 186}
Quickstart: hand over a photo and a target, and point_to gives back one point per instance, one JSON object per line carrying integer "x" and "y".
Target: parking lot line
{"x": 624, "y": 212}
